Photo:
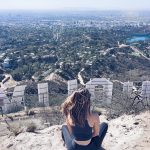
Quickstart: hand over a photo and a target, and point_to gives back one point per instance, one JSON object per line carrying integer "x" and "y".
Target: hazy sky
{"x": 76, "y": 4}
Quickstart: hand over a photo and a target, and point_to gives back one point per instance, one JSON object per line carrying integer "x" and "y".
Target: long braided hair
{"x": 77, "y": 105}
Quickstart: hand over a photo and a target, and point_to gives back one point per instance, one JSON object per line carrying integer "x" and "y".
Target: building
{"x": 101, "y": 90}
{"x": 18, "y": 95}
{"x": 146, "y": 91}
{"x": 43, "y": 94}
{"x": 4, "y": 101}
{"x": 72, "y": 86}
{"x": 128, "y": 88}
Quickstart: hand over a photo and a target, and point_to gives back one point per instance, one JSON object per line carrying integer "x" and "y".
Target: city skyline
{"x": 75, "y": 5}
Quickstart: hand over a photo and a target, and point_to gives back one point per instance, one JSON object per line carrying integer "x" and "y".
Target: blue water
{"x": 138, "y": 38}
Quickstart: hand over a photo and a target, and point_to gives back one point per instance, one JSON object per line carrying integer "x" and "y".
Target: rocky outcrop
{"x": 129, "y": 133}
{"x": 125, "y": 133}
{"x": 54, "y": 77}
{"x": 47, "y": 139}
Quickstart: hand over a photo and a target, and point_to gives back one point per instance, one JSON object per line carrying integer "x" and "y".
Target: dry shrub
{"x": 31, "y": 127}
{"x": 15, "y": 129}
{"x": 51, "y": 117}
{"x": 19, "y": 127}
{"x": 14, "y": 108}
{"x": 30, "y": 112}
{"x": 123, "y": 103}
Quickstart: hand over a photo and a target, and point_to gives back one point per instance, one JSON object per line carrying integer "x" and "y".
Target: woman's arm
{"x": 68, "y": 125}
{"x": 96, "y": 128}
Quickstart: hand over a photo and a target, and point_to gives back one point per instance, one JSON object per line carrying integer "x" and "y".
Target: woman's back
{"x": 82, "y": 133}
{"x": 82, "y": 130}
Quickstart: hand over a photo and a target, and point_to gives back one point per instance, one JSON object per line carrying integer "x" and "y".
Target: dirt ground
{"x": 128, "y": 132}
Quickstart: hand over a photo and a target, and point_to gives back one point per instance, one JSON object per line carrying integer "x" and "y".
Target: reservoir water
{"x": 137, "y": 38}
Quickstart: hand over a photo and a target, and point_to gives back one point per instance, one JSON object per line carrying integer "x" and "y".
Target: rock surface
{"x": 129, "y": 133}
{"x": 47, "y": 139}
{"x": 125, "y": 133}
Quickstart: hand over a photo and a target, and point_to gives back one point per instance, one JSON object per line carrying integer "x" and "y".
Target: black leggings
{"x": 95, "y": 143}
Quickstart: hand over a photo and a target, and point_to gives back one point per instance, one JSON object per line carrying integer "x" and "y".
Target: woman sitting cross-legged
{"x": 83, "y": 130}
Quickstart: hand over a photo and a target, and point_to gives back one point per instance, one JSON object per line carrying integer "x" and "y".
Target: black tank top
{"x": 82, "y": 133}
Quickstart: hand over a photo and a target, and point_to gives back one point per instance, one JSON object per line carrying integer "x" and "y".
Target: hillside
{"x": 67, "y": 47}
{"x": 125, "y": 133}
